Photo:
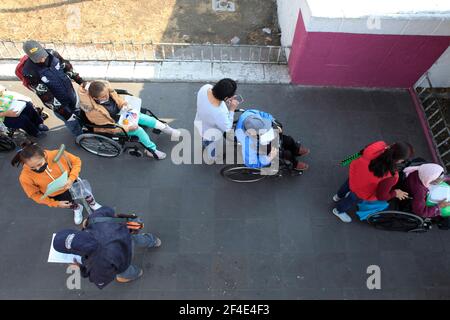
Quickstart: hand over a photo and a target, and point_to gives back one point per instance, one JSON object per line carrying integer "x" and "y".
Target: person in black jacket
{"x": 105, "y": 247}
{"x": 49, "y": 75}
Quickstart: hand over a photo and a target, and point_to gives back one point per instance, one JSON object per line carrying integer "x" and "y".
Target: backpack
{"x": 19, "y": 71}
{"x": 131, "y": 221}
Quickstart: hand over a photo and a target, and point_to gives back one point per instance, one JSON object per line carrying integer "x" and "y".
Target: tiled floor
{"x": 276, "y": 239}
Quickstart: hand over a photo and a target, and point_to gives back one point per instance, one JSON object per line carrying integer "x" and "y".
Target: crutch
{"x": 61, "y": 153}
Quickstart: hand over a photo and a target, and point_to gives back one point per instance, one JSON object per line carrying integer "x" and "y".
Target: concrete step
{"x": 170, "y": 71}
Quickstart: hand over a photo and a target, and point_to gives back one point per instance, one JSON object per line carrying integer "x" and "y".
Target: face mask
{"x": 41, "y": 169}
{"x": 101, "y": 101}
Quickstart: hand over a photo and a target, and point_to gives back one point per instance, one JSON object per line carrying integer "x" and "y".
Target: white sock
{"x": 159, "y": 125}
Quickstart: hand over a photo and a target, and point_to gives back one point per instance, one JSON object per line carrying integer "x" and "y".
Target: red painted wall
{"x": 361, "y": 60}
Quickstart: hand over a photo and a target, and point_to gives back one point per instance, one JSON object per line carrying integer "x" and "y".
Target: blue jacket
{"x": 53, "y": 76}
{"x": 114, "y": 252}
{"x": 249, "y": 149}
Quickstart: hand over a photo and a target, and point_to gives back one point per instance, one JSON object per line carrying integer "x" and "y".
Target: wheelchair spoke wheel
{"x": 242, "y": 174}
{"x": 99, "y": 145}
{"x": 396, "y": 221}
{"x": 6, "y": 143}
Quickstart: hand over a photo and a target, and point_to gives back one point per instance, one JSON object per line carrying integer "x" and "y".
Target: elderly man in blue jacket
{"x": 105, "y": 247}
{"x": 255, "y": 132}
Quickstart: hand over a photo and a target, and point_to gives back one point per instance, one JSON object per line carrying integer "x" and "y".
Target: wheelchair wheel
{"x": 242, "y": 174}
{"x": 396, "y": 221}
{"x": 99, "y": 145}
{"x": 6, "y": 143}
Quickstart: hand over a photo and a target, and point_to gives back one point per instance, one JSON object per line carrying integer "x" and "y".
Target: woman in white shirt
{"x": 215, "y": 111}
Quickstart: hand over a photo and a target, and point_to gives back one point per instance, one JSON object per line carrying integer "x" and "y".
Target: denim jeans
{"x": 348, "y": 198}
{"x": 210, "y": 146}
{"x": 149, "y": 122}
{"x": 72, "y": 124}
{"x": 144, "y": 240}
{"x": 28, "y": 120}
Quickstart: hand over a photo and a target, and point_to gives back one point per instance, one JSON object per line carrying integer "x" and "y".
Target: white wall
{"x": 402, "y": 17}
{"x": 288, "y": 11}
{"x": 439, "y": 73}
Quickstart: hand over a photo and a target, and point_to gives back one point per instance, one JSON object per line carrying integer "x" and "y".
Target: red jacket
{"x": 363, "y": 182}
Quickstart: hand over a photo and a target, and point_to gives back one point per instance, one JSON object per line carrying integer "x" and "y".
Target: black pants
{"x": 29, "y": 120}
{"x": 290, "y": 149}
{"x": 65, "y": 196}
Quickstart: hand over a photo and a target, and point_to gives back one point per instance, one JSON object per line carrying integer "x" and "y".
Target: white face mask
{"x": 102, "y": 101}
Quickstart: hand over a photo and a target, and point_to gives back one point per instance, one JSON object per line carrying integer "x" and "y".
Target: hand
{"x": 273, "y": 153}
{"x": 232, "y": 103}
{"x": 75, "y": 263}
{"x": 68, "y": 184}
{"x": 402, "y": 195}
{"x": 132, "y": 127}
{"x": 10, "y": 114}
{"x": 64, "y": 204}
{"x": 443, "y": 204}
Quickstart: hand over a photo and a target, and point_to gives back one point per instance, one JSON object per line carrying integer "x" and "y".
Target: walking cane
{"x": 61, "y": 153}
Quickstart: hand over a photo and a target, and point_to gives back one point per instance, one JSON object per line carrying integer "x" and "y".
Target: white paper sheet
{"x": 56, "y": 185}
{"x": 17, "y": 106}
{"x": 58, "y": 257}
{"x": 439, "y": 193}
{"x": 134, "y": 104}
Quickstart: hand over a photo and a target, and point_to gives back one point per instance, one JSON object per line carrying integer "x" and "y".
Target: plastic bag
{"x": 81, "y": 189}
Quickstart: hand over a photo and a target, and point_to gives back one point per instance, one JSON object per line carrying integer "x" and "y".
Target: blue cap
{"x": 75, "y": 242}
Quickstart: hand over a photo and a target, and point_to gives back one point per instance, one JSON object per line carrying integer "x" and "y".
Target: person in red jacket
{"x": 372, "y": 177}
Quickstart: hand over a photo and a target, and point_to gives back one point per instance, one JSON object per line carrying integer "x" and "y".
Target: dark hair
{"x": 387, "y": 161}
{"x": 96, "y": 88}
{"x": 29, "y": 150}
{"x": 225, "y": 88}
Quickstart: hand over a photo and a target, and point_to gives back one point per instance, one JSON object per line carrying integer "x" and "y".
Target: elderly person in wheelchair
{"x": 102, "y": 106}
{"x": 255, "y": 132}
{"x": 420, "y": 183}
{"x": 417, "y": 212}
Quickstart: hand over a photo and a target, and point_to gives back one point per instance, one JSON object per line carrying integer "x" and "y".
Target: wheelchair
{"x": 110, "y": 145}
{"x": 399, "y": 220}
{"x": 398, "y": 216}
{"x": 10, "y": 138}
{"x": 241, "y": 174}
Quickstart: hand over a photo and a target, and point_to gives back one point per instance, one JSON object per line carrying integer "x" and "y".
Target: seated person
{"x": 28, "y": 119}
{"x": 419, "y": 179}
{"x": 102, "y": 106}
{"x": 254, "y": 128}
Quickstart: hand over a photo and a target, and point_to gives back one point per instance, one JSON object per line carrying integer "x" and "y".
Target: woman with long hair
{"x": 372, "y": 177}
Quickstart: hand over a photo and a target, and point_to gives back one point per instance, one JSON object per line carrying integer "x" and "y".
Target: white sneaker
{"x": 78, "y": 215}
{"x": 172, "y": 132}
{"x": 342, "y": 215}
{"x": 95, "y": 206}
{"x": 159, "y": 154}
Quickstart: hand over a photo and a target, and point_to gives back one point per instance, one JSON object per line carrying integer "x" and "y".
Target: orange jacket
{"x": 35, "y": 184}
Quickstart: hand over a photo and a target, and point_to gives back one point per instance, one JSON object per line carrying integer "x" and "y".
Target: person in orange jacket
{"x": 39, "y": 171}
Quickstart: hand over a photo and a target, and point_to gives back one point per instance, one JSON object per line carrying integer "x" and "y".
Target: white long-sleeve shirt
{"x": 209, "y": 116}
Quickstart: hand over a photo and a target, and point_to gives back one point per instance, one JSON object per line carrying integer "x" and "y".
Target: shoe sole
{"x": 339, "y": 216}
{"x": 123, "y": 280}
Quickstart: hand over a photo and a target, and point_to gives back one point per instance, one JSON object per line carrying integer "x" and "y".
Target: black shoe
{"x": 42, "y": 127}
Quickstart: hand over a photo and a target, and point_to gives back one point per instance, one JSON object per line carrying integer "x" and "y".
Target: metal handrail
{"x": 155, "y": 52}
{"x": 441, "y": 127}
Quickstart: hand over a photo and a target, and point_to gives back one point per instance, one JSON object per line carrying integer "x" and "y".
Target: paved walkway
{"x": 275, "y": 239}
